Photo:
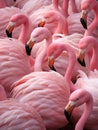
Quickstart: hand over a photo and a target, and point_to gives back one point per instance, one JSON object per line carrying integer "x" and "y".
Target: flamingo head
{"x": 29, "y": 45}
{"x": 9, "y": 29}
{"x": 42, "y": 23}
{"x": 86, "y": 7}
{"x": 81, "y": 57}
{"x": 83, "y": 18}
{"x": 51, "y": 63}
{"x": 68, "y": 110}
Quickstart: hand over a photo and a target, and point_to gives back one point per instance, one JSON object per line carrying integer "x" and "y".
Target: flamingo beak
{"x": 29, "y": 45}
{"x": 42, "y": 23}
{"x": 81, "y": 58}
{"x": 83, "y": 18}
{"x": 10, "y": 28}
{"x": 51, "y": 63}
{"x": 68, "y": 110}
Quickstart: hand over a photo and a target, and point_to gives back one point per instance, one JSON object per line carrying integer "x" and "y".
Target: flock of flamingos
{"x": 48, "y": 64}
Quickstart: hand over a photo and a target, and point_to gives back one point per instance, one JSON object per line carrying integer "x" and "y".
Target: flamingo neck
{"x": 25, "y": 31}
{"x": 65, "y": 7}
{"x": 88, "y": 108}
{"x": 55, "y": 4}
{"x": 41, "y": 56}
{"x": 62, "y": 27}
{"x": 2, "y": 4}
{"x": 69, "y": 71}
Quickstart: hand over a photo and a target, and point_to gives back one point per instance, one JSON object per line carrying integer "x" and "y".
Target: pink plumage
{"x": 14, "y": 63}
{"x": 47, "y": 92}
{"x": 15, "y": 116}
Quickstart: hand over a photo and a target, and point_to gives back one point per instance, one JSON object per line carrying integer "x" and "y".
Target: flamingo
{"x": 17, "y": 20}
{"x": 89, "y": 83}
{"x": 6, "y": 13}
{"x": 86, "y": 7}
{"x": 55, "y": 17}
{"x": 52, "y": 55}
{"x": 89, "y": 45}
{"x": 37, "y": 36}
{"x": 77, "y": 98}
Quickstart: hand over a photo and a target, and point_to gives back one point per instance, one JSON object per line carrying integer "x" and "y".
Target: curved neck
{"x": 87, "y": 111}
{"x": 55, "y": 4}
{"x": 65, "y": 7}
{"x": 69, "y": 70}
{"x": 2, "y": 4}
{"x": 25, "y": 31}
{"x": 41, "y": 56}
{"x": 62, "y": 27}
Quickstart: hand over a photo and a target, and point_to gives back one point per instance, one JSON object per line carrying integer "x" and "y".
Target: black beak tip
{"x": 82, "y": 63}
{"x": 28, "y": 50}
{"x": 52, "y": 68}
{"x": 83, "y": 22}
{"x": 67, "y": 115}
{"x": 8, "y": 34}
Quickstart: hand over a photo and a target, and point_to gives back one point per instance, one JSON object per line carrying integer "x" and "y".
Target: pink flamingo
{"x": 89, "y": 83}
{"x": 47, "y": 92}
{"x": 6, "y": 13}
{"x": 37, "y": 36}
{"x": 17, "y": 20}
{"x": 77, "y": 98}
{"x": 55, "y": 17}
{"x": 65, "y": 5}
{"x": 86, "y": 7}
{"x": 10, "y": 48}
{"x": 89, "y": 45}
{"x": 59, "y": 48}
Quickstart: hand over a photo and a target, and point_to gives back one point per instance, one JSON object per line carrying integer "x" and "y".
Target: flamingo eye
{"x": 14, "y": 0}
